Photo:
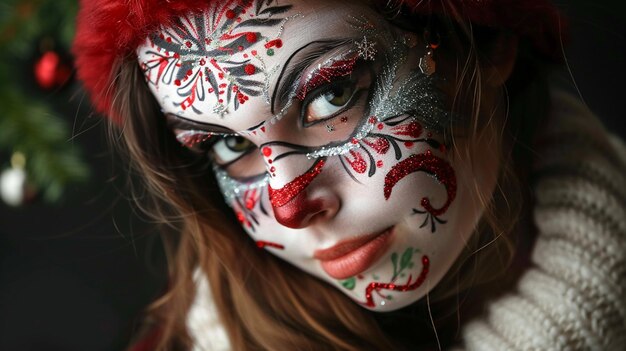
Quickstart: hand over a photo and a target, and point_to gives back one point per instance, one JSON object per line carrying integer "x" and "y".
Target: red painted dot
{"x": 188, "y": 44}
{"x": 202, "y": 62}
{"x": 241, "y": 217}
{"x": 279, "y": 43}
{"x": 161, "y": 36}
{"x": 270, "y": 161}
{"x": 354, "y": 141}
{"x": 220, "y": 75}
{"x": 230, "y": 14}
{"x": 379, "y": 163}
{"x": 253, "y": 52}
{"x": 251, "y": 37}
{"x": 273, "y": 169}
{"x": 169, "y": 40}
{"x": 240, "y": 48}
{"x": 408, "y": 144}
{"x": 211, "y": 90}
{"x": 245, "y": 55}
{"x": 380, "y": 126}
{"x": 221, "y": 101}
{"x": 250, "y": 69}
{"x": 267, "y": 151}
{"x": 177, "y": 82}
{"x": 189, "y": 72}
{"x": 176, "y": 55}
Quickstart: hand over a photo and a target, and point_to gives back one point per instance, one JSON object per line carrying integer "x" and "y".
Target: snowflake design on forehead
{"x": 366, "y": 49}
{"x": 215, "y": 53}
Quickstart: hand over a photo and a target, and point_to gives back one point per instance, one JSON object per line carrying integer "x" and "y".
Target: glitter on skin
{"x": 431, "y": 164}
{"x": 382, "y": 136}
{"x": 377, "y": 286}
{"x": 280, "y": 197}
{"x": 325, "y": 73}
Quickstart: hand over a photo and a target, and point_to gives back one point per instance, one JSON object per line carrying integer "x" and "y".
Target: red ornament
{"x": 50, "y": 71}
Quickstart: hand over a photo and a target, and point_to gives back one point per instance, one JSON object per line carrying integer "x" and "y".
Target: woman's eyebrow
{"x": 175, "y": 121}
{"x": 291, "y": 72}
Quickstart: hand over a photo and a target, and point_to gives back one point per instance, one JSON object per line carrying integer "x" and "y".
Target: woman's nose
{"x": 298, "y": 204}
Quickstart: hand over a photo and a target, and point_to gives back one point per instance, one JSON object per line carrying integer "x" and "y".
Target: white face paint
{"x": 324, "y": 136}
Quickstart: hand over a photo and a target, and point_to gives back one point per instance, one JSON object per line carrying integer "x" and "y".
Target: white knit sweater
{"x": 574, "y": 295}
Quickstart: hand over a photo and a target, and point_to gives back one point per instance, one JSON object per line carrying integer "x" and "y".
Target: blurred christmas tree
{"x": 36, "y": 34}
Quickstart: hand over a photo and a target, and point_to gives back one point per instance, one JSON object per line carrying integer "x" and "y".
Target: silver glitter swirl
{"x": 232, "y": 188}
{"x": 414, "y": 95}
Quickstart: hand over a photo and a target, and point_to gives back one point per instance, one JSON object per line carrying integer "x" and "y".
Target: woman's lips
{"x": 351, "y": 257}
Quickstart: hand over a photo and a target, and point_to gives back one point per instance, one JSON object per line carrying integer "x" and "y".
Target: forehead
{"x": 223, "y": 66}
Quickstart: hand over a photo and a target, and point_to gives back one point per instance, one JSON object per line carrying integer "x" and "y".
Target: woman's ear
{"x": 500, "y": 61}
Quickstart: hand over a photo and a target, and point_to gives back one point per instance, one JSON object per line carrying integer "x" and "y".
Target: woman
{"x": 337, "y": 175}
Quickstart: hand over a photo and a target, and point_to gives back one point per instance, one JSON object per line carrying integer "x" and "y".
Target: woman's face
{"x": 326, "y": 140}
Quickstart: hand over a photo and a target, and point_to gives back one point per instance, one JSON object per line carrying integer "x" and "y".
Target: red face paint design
{"x": 264, "y": 244}
{"x": 326, "y": 74}
{"x": 214, "y": 48}
{"x": 191, "y": 138}
{"x": 408, "y": 286}
{"x": 280, "y": 197}
{"x": 431, "y": 164}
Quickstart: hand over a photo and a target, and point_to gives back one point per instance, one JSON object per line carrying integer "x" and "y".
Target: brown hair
{"x": 180, "y": 193}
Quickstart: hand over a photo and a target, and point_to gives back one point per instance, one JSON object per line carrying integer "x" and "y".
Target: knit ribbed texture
{"x": 203, "y": 323}
{"x": 574, "y": 296}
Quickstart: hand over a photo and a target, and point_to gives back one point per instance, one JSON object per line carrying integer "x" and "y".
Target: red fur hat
{"x": 110, "y": 30}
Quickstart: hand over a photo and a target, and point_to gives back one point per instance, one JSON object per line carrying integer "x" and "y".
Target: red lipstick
{"x": 351, "y": 257}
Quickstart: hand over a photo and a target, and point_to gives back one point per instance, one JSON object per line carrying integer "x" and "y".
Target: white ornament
{"x": 12, "y": 186}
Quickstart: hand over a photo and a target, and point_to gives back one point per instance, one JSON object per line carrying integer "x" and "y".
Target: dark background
{"x": 76, "y": 275}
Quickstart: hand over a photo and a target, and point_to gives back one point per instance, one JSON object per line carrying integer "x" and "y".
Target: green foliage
{"x": 52, "y": 160}
{"x": 27, "y": 124}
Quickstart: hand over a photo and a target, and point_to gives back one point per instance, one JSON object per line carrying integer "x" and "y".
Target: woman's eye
{"x": 230, "y": 148}
{"x": 329, "y": 103}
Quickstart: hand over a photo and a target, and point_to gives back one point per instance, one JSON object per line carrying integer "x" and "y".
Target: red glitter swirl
{"x": 338, "y": 68}
{"x": 429, "y": 163}
{"x": 280, "y": 197}
{"x": 408, "y": 286}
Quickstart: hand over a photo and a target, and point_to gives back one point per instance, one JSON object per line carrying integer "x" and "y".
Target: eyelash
{"x": 319, "y": 92}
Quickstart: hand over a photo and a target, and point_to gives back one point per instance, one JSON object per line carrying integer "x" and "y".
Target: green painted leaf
{"x": 394, "y": 260}
{"x": 349, "y": 283}
{"x": 406, "y": 258}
